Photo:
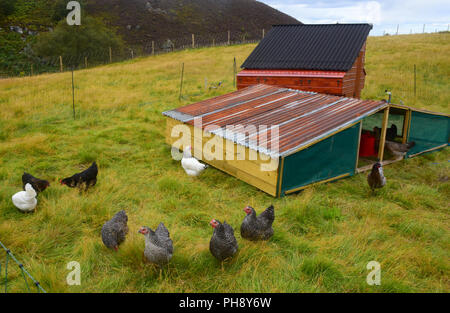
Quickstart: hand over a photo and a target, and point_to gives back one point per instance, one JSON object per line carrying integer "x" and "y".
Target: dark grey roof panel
{"x": 327, "y": 47}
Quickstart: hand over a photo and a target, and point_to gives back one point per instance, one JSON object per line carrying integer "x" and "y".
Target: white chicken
{"x": 26, "y": 200}
{"x": 191, "y": 165}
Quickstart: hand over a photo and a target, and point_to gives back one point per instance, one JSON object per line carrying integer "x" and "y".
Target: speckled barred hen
{"x": 115, "y": 230}
{"x": 258, "y": 227}
{"x": 223, "y": 244}
{"x": 158, "y": 245}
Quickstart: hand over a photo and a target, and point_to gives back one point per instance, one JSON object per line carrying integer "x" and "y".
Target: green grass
{"x": 324, "y": 236}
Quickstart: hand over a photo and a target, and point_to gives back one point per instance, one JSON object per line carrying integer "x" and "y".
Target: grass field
{"x": 324, "y": 236}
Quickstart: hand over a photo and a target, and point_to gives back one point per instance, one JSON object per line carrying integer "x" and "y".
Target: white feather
{"x": 191, "y": 165}
{"x": 25, "y": 200}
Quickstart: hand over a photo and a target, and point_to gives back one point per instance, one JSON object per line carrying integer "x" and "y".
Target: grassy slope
{"x": 324, "y": 236}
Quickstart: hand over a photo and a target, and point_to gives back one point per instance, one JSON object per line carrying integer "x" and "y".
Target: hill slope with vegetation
{"x": 324, "y": 236}
{"x": 136, "y": 22}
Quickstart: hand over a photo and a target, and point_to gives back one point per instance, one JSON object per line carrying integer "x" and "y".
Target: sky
{"x": 385, "y": 15}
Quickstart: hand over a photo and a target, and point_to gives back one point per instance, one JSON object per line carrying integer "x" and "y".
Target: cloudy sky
{"x": 383, "y": 14}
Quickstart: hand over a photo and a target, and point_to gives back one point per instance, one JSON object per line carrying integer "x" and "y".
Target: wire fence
{"x": 24, "y": 273}
{"x": 60, "y": 63}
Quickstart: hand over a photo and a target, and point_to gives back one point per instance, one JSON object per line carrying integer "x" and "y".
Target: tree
{"x": 92, "y": 39}
{"x": 7, "y": 8}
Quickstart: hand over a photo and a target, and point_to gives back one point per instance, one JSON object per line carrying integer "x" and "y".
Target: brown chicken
{"x": 376, "y": 177}
{"x": 395, "y": 148}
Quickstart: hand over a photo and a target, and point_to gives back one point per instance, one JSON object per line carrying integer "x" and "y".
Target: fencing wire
{"x": 40, "y": 65}
{"x": 24, "y": 272}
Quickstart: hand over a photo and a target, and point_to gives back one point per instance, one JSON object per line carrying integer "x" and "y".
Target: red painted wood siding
{"x": 317, "y": 84}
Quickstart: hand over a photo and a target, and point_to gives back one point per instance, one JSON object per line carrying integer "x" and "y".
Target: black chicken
{"x": 223, "y": 244}
{"x": 376, "y": 177}
{"x": 87, "y": 178}
{"x": 39, "y": 185}
{"x": 391, "y": 132}
{"x": 115, "y": 230}
{"x": 258, "y": 227}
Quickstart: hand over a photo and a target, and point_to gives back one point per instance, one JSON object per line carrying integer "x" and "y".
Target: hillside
{"x": 142, "y": 20}
{"x": 138, "y": 22}
{"x": 324, "y": 236}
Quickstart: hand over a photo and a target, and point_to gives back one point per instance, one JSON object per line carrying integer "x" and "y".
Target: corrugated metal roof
{"x": 328, "y": 47}
{"x": 301, "y": 117}
{"x": 292, "y": 73}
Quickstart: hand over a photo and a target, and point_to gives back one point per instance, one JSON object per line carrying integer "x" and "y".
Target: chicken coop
{"x": 325, "y": 58}
{"x": 282, "y": 140}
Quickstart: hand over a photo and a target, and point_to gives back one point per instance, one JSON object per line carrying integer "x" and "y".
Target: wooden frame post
{"x": 229, "y": 37}
{"x": 110, "y": 55}
{"x": 60, "y": 63}
{"x": 359, "y": 145}
{"x": 193, "y": 41}
{"x": 153, "y": 47}
{"x": 383, "y": 134}
{"x": 406, "y": 126}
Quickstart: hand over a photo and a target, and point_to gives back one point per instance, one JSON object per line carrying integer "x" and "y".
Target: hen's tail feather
{"x": 269, "y": 213}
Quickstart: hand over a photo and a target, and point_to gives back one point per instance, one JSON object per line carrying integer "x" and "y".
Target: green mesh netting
{"x": 428, "y": 131}
{"x": 396, "y": 117}
{"x": 326, "y": 159}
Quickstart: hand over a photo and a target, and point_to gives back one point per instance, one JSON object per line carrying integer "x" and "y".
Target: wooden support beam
{"x": 383, "y": 134}
{"x": 406, "y": 126}
{"x": 359, "y": 143}
{"x": 193, "y": 41}
{"x": 60, "y": 63}
{"x": 153, "y": 47}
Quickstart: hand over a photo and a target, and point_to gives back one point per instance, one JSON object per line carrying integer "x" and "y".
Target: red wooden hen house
{"x": 326, "y": 58}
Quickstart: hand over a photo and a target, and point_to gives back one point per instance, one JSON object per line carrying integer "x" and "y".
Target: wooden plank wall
{"x": 246, "y": 170}
{"x": 351, "y": 88}
{"x": 317, "y": 84}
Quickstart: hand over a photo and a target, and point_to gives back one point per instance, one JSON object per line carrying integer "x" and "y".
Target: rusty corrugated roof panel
{"x": 257, "y": 112}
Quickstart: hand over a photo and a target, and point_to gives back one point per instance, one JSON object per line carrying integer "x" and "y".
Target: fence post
{"x": 60, "y": 63}
{"x": 423, "y": 31}
{"x": 234, "y": 72}
{"x": 73, "y": 95}
{"x": 132, "y": 54}
{"x": 110, "y": 55}
{"x": 153, "y": 47}
{"x": 193, "y": 41}
{"x": 214, "y": 42}
{"x": 32, "y": 72}
{"x": 397, "y": 29}
{"x": 229, "y": 37}
{"x": 181, "y": 83}
{"x": 85, "y": 62}
{"x": 263, "y": 33}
